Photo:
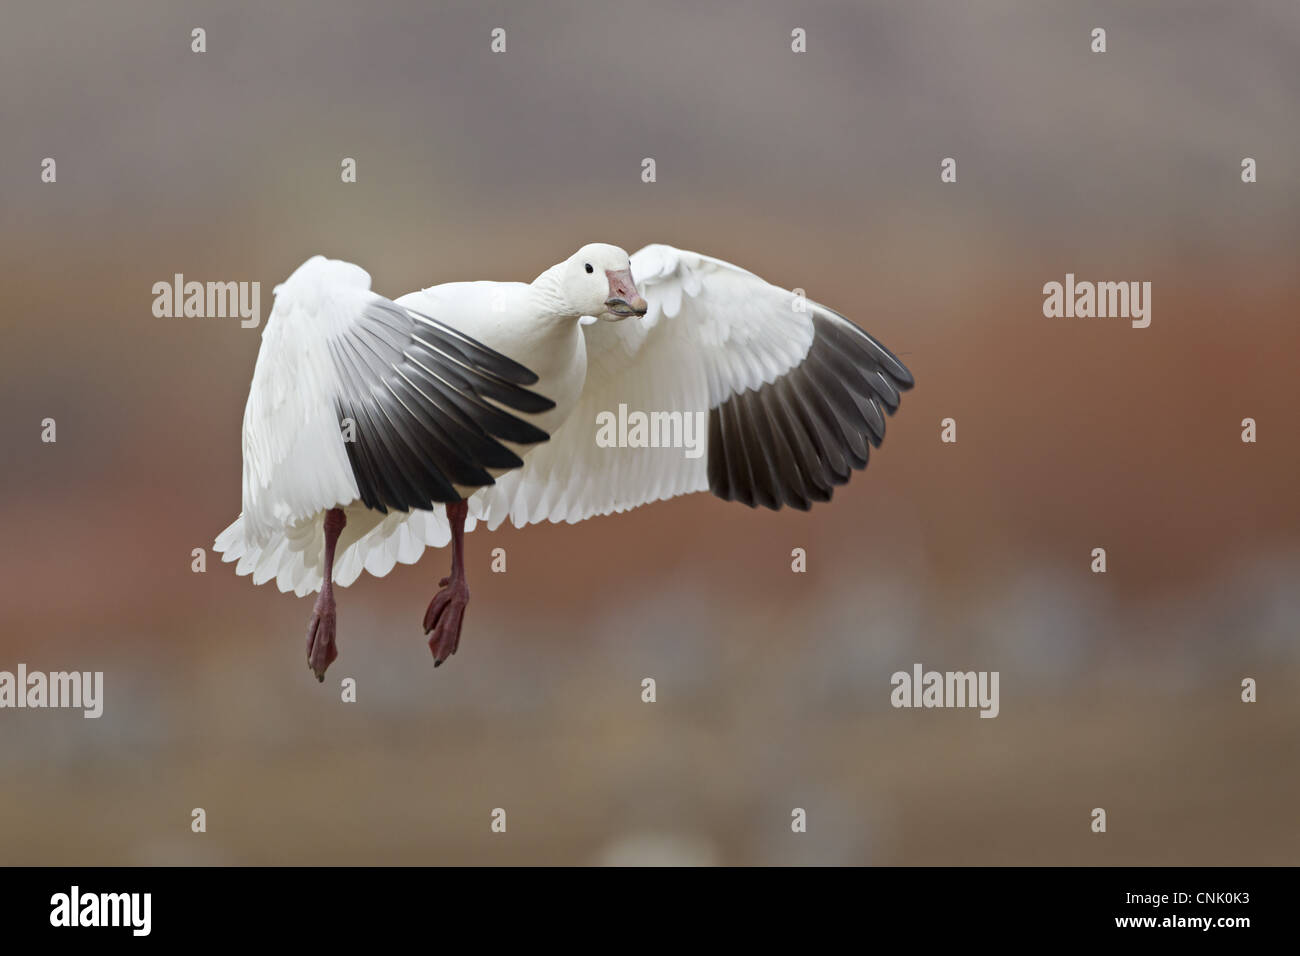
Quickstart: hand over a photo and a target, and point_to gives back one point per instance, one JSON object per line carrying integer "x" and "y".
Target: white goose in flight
{"x": 377, "y": 428}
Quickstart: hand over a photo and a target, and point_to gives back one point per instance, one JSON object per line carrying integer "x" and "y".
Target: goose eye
{"x": 589, "y": 268}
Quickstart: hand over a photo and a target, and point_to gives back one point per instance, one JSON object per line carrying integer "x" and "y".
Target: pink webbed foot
{"x": 444, "y": 618}
{"x": 321, "y": 651}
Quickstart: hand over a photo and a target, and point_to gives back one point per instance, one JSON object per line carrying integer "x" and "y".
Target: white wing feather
{"x": 711, "y": 330}
{"x": 295, "y": 462}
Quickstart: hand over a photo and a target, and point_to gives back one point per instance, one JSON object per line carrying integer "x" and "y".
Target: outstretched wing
{"x": 356, "y": 397}
{"x": 791, "y": 395}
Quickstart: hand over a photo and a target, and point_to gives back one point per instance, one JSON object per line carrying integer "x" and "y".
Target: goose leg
{"x": 320, "y": 630}
{"x": 446, "y": 611}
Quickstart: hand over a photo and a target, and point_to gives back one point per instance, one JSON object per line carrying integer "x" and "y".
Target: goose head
{"x": 597, "y": 280}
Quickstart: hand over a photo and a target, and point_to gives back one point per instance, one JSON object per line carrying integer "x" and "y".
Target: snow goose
{"x": 794, "y": 396}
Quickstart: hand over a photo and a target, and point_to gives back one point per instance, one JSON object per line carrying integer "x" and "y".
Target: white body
{"x": 712, "y": 331}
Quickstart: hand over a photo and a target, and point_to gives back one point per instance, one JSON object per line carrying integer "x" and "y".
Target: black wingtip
{"x": 429, "y": 406}
{"x": 793, "y": 440}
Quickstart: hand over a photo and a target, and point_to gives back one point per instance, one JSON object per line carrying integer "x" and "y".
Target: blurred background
{"x": 818, "y": 170}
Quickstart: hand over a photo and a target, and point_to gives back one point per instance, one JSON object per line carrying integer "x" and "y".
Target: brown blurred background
{"x": 818, "y": 170}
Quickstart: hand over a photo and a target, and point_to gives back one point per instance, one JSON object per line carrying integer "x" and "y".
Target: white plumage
{"x": 712, "y": 330}
{"x": 794, "y": 393}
